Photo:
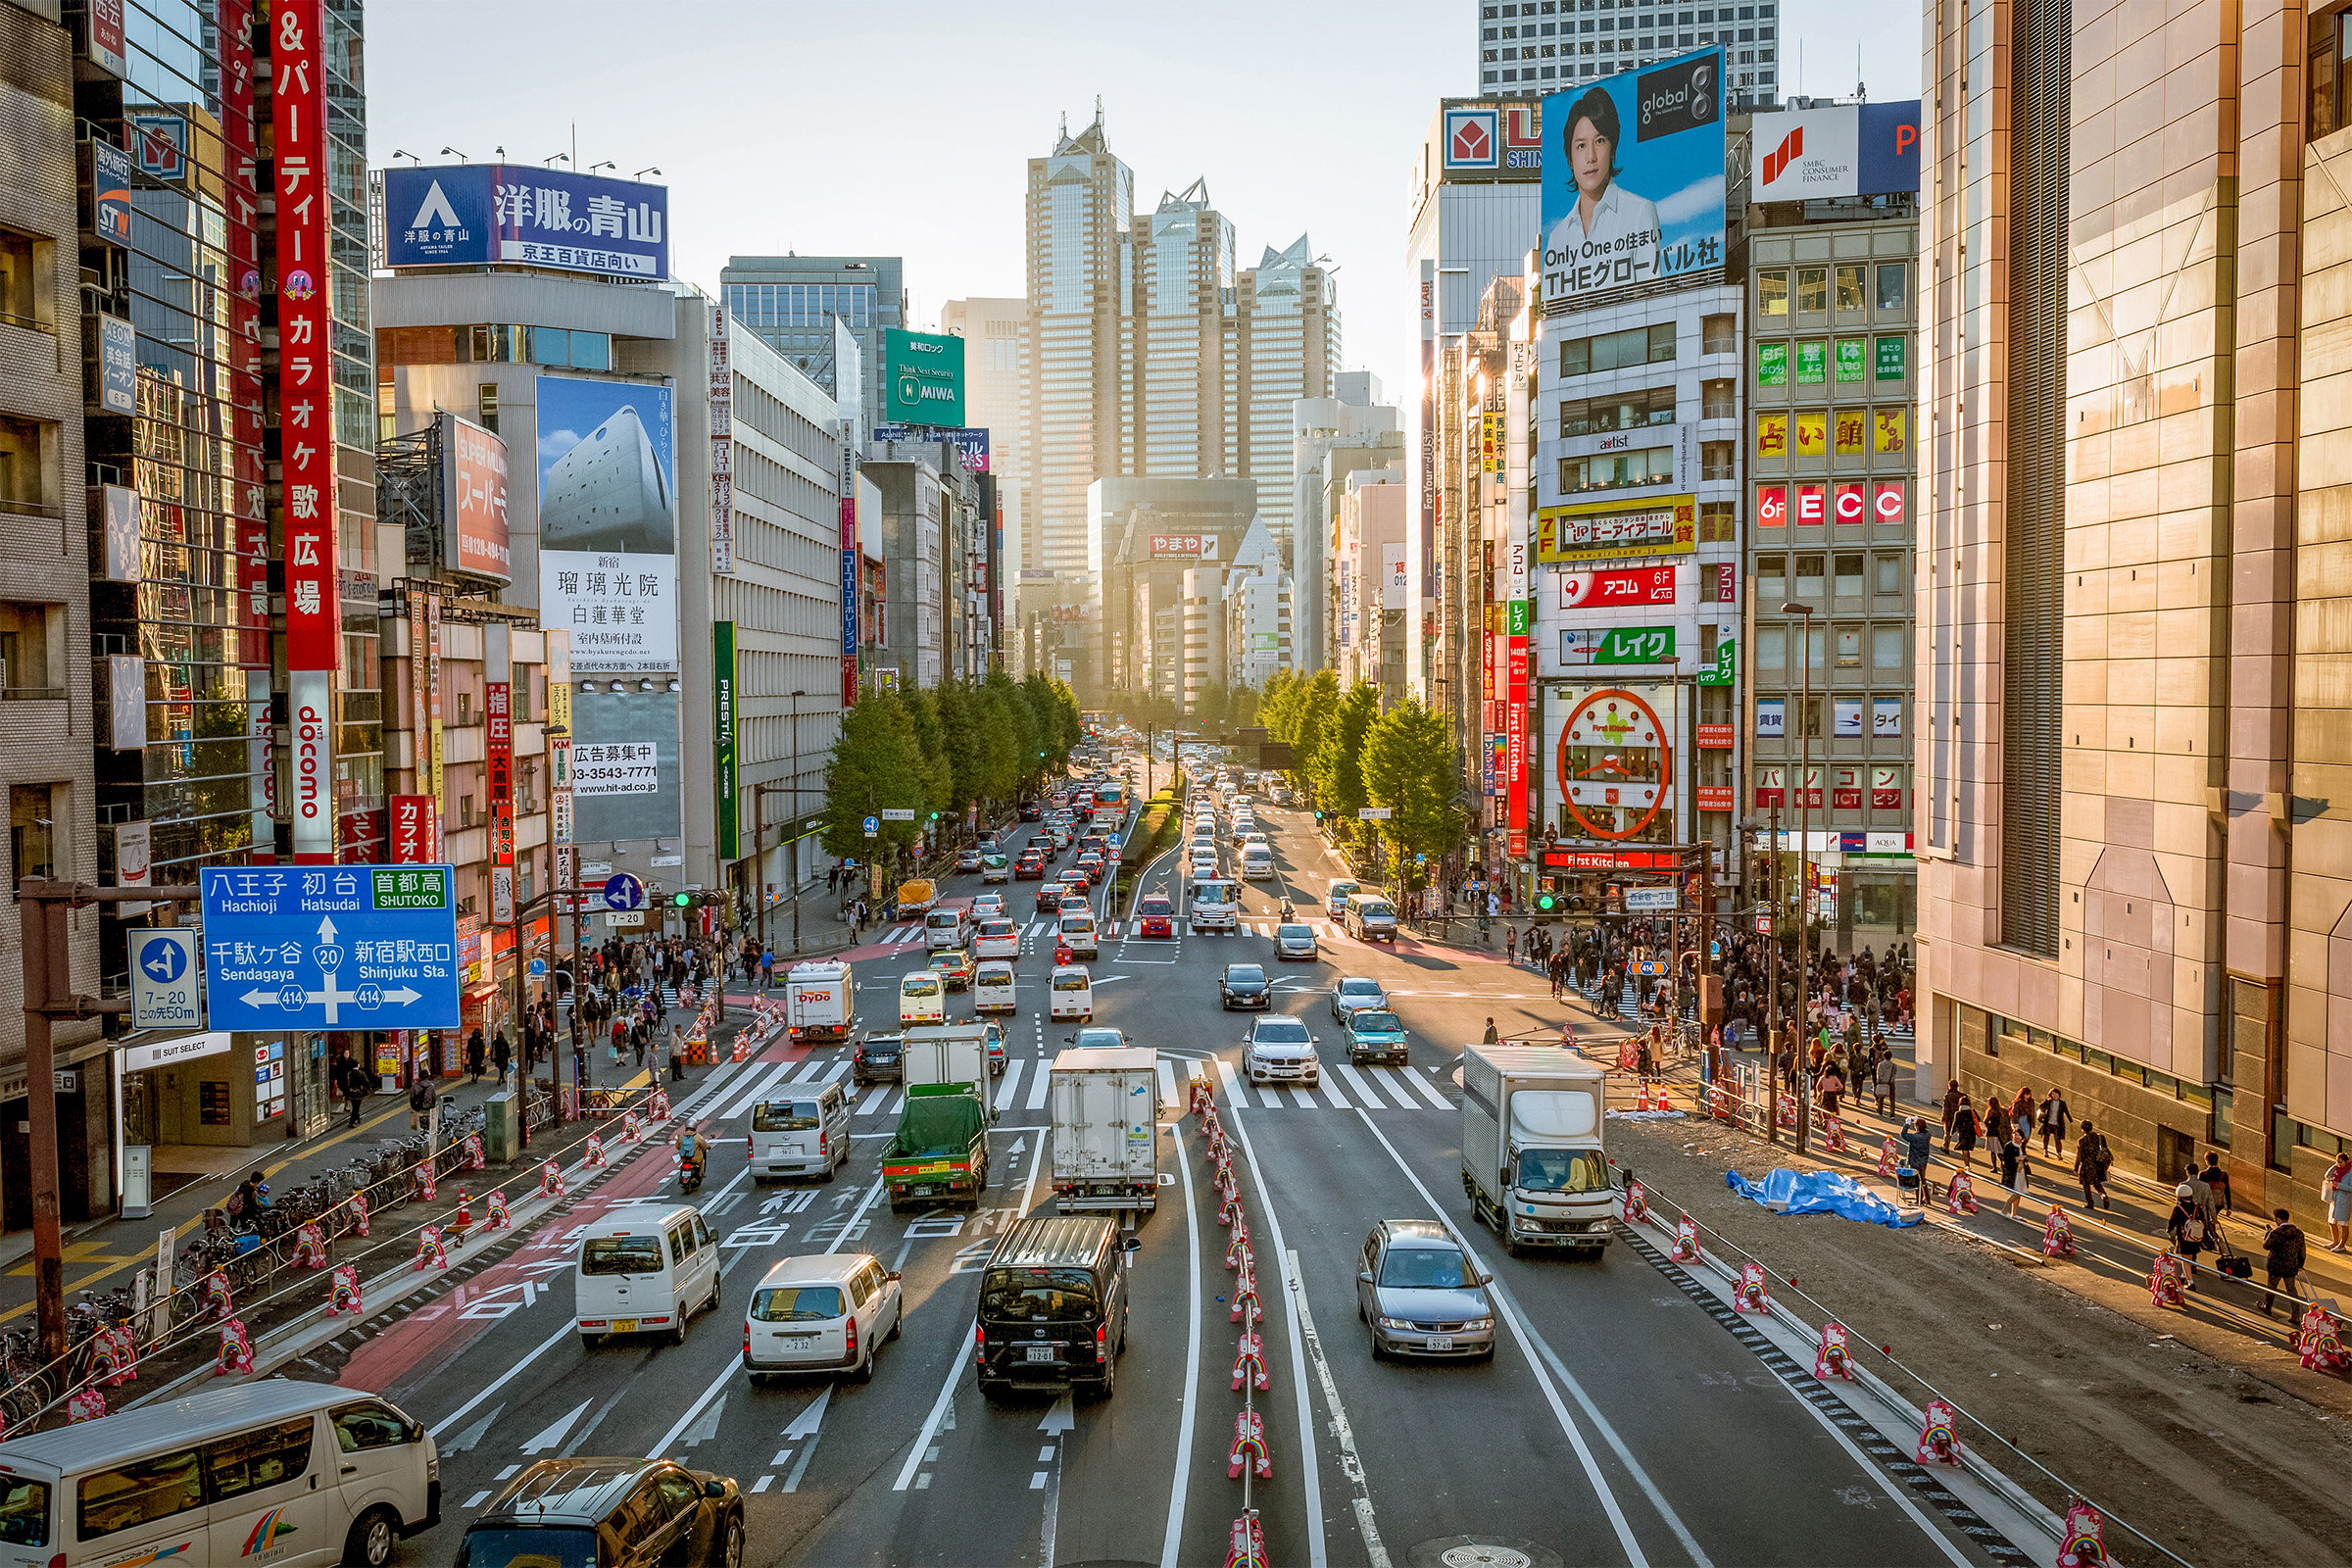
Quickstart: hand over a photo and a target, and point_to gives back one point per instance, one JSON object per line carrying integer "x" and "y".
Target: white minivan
{"x": 1073, "y": 994}
{"x": 922, "y": 998}
{"x": 272, "y": 1470}
{"x": 801, "y": 1134}
{"x": 1257, "y": 862}
{"x": 943, "y": 929}
{"x": 1078, "y": 935}
{"x": 644, "y": 1271}
{"x": 993, "y": 988}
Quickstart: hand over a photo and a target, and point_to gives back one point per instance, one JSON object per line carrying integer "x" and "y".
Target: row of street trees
{"x": 1354, "y": 755}
{"x": 1217, "y": 709}
{"x": 940, "y": 750}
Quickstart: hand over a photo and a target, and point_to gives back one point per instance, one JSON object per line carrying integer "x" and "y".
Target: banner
{"x": 474, "y": 500}
{"x": 722, "y": 730}
{"x": 722, "y": 448}
{"x": 498, "y": 740}
{"x": 1633, "y": 197}
{"x": 609, "y": 523}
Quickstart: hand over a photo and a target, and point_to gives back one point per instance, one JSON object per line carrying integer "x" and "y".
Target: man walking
{"x": 357, "y": 1082}
{"x": 1882, "y": 1085}
{"x": 2054, "y": 1119}
{"x": 2284, "y": 1255}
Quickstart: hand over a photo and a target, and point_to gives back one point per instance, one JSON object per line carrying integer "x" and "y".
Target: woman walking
{"x": 1964, "y": 1128}
{"x": 2091, "y": 1159}
{"x": 2054, "y": 1119}
{"x": 2013, "y": 1175}
{"x": 2188, "y": 1226}
{"x": 2336, "y": 1191}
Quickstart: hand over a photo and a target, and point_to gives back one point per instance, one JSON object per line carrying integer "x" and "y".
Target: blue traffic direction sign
{"x": 341, "y": 947}
{"x": 162, "y": 960}
{"x": 624, "y": 892}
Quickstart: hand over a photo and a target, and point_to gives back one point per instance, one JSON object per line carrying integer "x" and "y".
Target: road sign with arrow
{"x": 331, "y": 946}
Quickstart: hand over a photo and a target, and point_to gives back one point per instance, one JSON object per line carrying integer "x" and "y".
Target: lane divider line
{"x": 1174, "y": 1542}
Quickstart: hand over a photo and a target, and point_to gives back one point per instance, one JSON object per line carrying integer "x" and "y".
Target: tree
{"x": 1209, "y": 705}
{"x": 997, "y": 741}
{"x": 1408, "y": 768}
{"x": 1274, "y": 702}
{"x": 1338, "y": 758}
{"x": 936, "y": 775}
{"x": 1246, "y": 707}
{"x": 960, "y": 739}
{"x": 1022, "y": 734}
{"x": 1314, "y": 705}
{"x": 876, "y": 766}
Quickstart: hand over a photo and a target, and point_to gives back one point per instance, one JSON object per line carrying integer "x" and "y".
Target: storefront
{"x": 224, "y": 1091}
{"x": 84, "y": 1138}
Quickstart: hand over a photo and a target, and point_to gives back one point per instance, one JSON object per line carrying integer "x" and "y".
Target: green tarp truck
{"x": 940, "y": 1152}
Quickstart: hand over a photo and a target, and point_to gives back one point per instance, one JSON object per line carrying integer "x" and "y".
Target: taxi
{"x": 953, "y": 966}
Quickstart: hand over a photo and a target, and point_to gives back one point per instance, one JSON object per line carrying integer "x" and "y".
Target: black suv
{"x": 879, "y": 1059}
{"x": 1243, "y": 985}
{"x": 1054, "y": 1306}
{"x": 587, "y": 1513}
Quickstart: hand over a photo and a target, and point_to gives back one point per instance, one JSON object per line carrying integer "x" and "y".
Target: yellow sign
{"x": 1894, "y": 427}
{"x": 1772, "y": 435}
{"x": 1812, "y": 433}
{"x": 1600, "y": 530}
{"x": 558, "y": 706}
{"x": 1851, "y": 422}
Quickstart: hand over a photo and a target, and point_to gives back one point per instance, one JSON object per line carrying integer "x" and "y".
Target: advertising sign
{"x": 1600, "y": 530}
{"x": 1514, "y": 729}
{"x": 120, "y": 560}
{"x": 1771, "y": 505}
{"x": 1725, "y": 665}
{"x": 104, "y": 38}
{"x": 1772, "y": 365}
{"x": 613, "y": 768}
{"x": 1849, "y": 360}
{"x": 109, "y": 190}
{"x": 970, "y": 442}
{"x": 1846, "y": 717}
{"x": 722, "y": 448}
{"x": 498, "y": 745}
{"x": 1889, "y": 355}
{"x": 351, "y": 946}
{"x": 134, "y": 863}
{"x": 923, "y": 377}
{"x": 1617, "y": 645}
{"x": 1392, "y": 586}
{"x": 1886, "y": 789}
{"x": 1613, "y": 761}
{"x": 117, "y": 366}
{"x": 722, "y": 732}
{"x": 1182, "y": 546}
{"x": 473, "y": 498}
{"x": 609, "y": 523}
{"x": 1634, "y": 193}
{"x": 627, "y": 779}
{"x": 415, "y": 829}
{"x": 1812, "y": 362}
{"x": 1635, "y": 585}
{"x": 1770, "y": 718}
{"x": 1886, "y": 717}
{"x": 472, "y": 215}
{"x": 1470, "y": 139}
{"x": 1849, "y": 150}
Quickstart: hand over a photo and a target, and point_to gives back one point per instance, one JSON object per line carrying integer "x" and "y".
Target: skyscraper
{"x": 1081, "y": 304}
{"x": 1530, "y": 47}
{"x": 790, "y": 301}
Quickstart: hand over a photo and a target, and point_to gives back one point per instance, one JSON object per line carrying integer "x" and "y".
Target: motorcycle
{"x": 689, "y": 1172}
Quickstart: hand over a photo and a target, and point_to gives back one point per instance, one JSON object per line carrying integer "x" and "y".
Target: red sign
{"x": 1715, "y": 737}
{"x": 414, "y": 838}
{"x": 1640, "y": 586}
{"x": 1770, "y": 788}
{"x": 1887, "y": 503}
{"x": 1811, "y": 499}
{"x": 1714, "y": 796}
{"x": 498, "y": 735}
{"x": 1887, "y": 789}
{"x": 1846, "y": 800}
{"x": 361, "y": 833}
{"x": 474, "y": 486}
{"x": 1609, "y": 860}
{"x": 1723, "y": 583}
{"x": 1516, "y": 738}
{"x": 1771, "y": 505}
{"x": 1850, "y": 505}
{"x": 106, "y": 34}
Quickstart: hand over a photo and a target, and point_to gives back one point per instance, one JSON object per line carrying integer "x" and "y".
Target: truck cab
{"x": 1534, "y": 1164}
{"x": 1216, "y": 906}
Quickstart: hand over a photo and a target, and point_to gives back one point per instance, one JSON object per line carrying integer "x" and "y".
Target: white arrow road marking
{"x": 500, "y": 1381}
{"x": 707, "y": 1427}
{"x": 472, "y": 1437}
{"x": 1060, "y": 1418}
{"x": 807, "y": 1423}
{"x": 553, "y": 1436}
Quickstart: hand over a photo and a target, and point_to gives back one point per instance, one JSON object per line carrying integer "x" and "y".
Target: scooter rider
{"x": 1286, "y": 910}
{"x": 693, "y": 1151}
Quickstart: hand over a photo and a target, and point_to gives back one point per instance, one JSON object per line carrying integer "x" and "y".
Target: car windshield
{"x": 1297, "y": 933}
{"x": 528, "y": 1547}
{"x": 1070, "y": 982}
{"x": 1562, "y": 1170}
{"x": 796, "y": 1303}
{"x": 1099, "y": 1039}
{"x": 1374, "y": 910}
{"x": 1036, "y": 1295}
{"x": 919, "y": 985}
{"x": 1155, "y": 906}
{"x": 1282, "y": 1033}
{"x": 1240, "y": 972}
{"x": 1423, "y": 1269}
{"x": 1368, "y": 1023}
{"x": 1075, "y": 924}
{"x": 1359, "y": 988}
{"x": 621, "y": 1254}
{"x": 785, "y": 1116}
{"x": 997, "y": 928}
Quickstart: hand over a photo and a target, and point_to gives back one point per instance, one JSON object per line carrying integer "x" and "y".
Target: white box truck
{"x": 1216, "y": 906}
{"x": 1104, "y": 1107}
{"x": 1532, "y": 1163}
{"x": 945, "y": 1053}
{"x": 820, "y": 1002}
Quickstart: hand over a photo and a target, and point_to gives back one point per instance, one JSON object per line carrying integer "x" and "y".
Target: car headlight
{"x": 1478, "y": 1323}
{"x": 1395, "y": 1323}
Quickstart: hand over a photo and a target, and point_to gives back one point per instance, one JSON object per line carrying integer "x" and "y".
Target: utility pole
{"x": 1804, "y": 892}
{"x": 1771, "y": 988}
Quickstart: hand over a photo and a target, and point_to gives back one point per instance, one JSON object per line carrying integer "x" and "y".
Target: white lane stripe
{"x": 758, "y": 1091}
{"x": 1363, "y": 1084}
{"x": 1331, "y": 1092}
{"x": 1011, "y": 1083}
{"x": 1304, "y": 1100}
{"x": 1167, "y": 1083}
{"x": 1427, "y": 1090}
{"x": 809, "y": 1071}
{"x": 1192, "y": 1358}
{"x": 1038, "y": 1086}
{"x": 872, "y": 1100}
{"x": 898, "y": 1101}
{"x": 838, "y": 1070}
{"x": 1234, "y": 1091}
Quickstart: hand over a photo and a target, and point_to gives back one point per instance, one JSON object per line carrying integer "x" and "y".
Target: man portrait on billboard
{"x": 1610, "y": 229}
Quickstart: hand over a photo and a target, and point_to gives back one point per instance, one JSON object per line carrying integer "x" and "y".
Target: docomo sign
{"x": 311, "y": 698}
{"x": 1640, "y": 586}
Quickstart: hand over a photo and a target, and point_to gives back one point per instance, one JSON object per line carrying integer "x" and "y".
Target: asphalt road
{"x": 1618, "y": 1422}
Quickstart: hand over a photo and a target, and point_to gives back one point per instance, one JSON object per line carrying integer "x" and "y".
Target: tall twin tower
{"x": 1148, "y": 354}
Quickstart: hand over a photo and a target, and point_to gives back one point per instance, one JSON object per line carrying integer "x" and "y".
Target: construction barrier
{"x": 2165, "y": 1279}
{"x": 343, "y": 1291}
{"x": 1250, "y": 1362}
{"x": 551, "y": 1180}
{"x": 1686, "y": 1241}
{"x": 310, "y": 1247}
{"x": 2085, "y": 1544}
{"x": 429, "y": 1251}
{"x": 593, "y": 1156}
{"x": 1832, "y": 1361}
{"x": 1887, "y": 1158}
{"x": 1635, "y": 1202}
{"x": 498, "y": 1218}
{"x": 2057, "y": 1236}
{"x": 86, "y": 1404}
{"x": 1754, "y": 1294}
{"x": 1937, "y": 1442}
{"x": 1249, "y": 1543}
{"x": 1249, "y": 1447}
{"x": 474, "y": 1157}
{"x": 2318, "y": 1340}
{"x": 1960, "y": 1195}
{"x": 237, "y": 1349}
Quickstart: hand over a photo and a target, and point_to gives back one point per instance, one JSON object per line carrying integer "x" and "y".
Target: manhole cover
{"x": 1485, "y": 1556}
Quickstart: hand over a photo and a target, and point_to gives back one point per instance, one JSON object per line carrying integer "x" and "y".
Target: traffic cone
{"x": 2057, "y": 1236}
{"x": 1249, "y": 1447}
{"x": 1686, "y": 1241}
{"x": 1755, "y": 1292}
{"x": 1250, "y": 1362}
{"x": 1830, "y": 1360}
{"x": 1937, "y": 1442}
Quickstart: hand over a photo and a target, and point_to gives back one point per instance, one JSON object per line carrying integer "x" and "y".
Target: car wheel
{"x": 898, "y": 1321}
{"x": 863, "y": 1371}
{"x": 1378, "y": 1353}
{"x": 712, "y": 1305}
{"x": 1108, "y": 1383}
{"x": 677, "y": 1329}
{"x": 730, "y": 1552}
{"x": 371, "y": 1538}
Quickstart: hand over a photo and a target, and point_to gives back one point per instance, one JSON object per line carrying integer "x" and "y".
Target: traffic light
{"x": 1318, "y": 816}
{"x": 682, "y": 900}
{"x": 1546, "y": 902}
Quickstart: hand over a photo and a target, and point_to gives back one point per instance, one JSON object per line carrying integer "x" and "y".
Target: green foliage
{"x": 876, "y": 765}
{"x": 1407, "y": 766}
{"x": 1336, "y": 764}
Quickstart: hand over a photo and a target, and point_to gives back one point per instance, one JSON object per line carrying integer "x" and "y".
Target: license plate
{"x": 1041, "y": 1352}
{"x": 624, "y": 1325}
{"x": 798, "y": 1342}
{"x": 1441, "y": 1341}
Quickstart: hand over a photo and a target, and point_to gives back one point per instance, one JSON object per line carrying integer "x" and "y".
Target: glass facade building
{"x": 791, "y": 303}
{"x": 1530, "y": 47}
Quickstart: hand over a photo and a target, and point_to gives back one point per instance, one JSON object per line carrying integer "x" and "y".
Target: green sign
{"x": 1266, "y": 642}
{"x": 1850, "y": 360}
{"x": 1620, "y": 645}
{"x": 722, "y": 738}
{"x": 1772, "y": 365}
{"x": 923, "y": 377}
{"x": 1522, "y": 614}
{"x": 1719, "y": 673}
{"x": 1891, "y": 352}
{"x": 1812, "y": 363}
{"x": 418, "y": 887}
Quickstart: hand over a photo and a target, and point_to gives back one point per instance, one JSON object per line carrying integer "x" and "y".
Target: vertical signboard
{"x": 609, "y": 523}
{"x": 133, "y": 864}
{"x": 414, "y": 825}
{"x": 434, "y": 770}
{"x": 306, "y": 419}
{"x": 474, "y": 490}
{"x": 722, "y": 448}
{"x": 849, "y": 566}
{"x": 1514, "y": 715}
{"x": 104, "y": 38}
{"x": 558, "y": 761}
{"x": 722, "y": 730}
{"x": 498, "y": 744}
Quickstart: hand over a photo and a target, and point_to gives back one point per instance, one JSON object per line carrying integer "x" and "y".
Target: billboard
{"x": 472, "y": 215}
{"x": 608, "y": 523}
{"x": 1849, "y": 150}
{"x": 1605, "y": 530}
{"x": 110, "y": 192}
{"x": 1634, "y": 194}
{"x": 624, "y": 766}
{"x": 473, "y": 501}
{"x": 970, "y": 442}
{"x": 1613, "y": 762}
{"x": 1184, "y": 546}
{"x": 923, "y": 377}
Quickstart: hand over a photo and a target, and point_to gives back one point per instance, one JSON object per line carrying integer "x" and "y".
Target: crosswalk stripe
{"x": 1012, "y": 1082}
{"x": 1037, "y": 1089}
{"x": 809, "y": 1071}
{"x": 1362, "y": 1081}
{"x": 872, "y": 1100}
{"x": 1234, "y": 1091}
{"x": 1306, "y": 1101}
{"x": 1167, "y": 1083}
{"x": 762, "y": 1081}
{"x": 838, "y": 1070}
{"x": 898, "y": 1102}
{"x": 1426, "y": 1089}
{"x": 1331, "y": 1092}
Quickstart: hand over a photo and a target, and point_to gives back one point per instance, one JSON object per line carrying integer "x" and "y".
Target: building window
{"x": 1812, "y": 290}
{"x": 1718, "y": 524}
{"x": 1772, "y": 580}
{"x": 1624, "y": 412}
{"x": 1891, "y": 296}
{"x": 485, "y": 406}
{"x": 24, "y": 654}
{"x": 465, "y": 709}
{"x": 1771, "y": 292}
{"x": 2331, "y": 74}
{"x": 464, "y": 810}
{"x": 1716, "y": 460}
{"x": 19, "y": 280}
{"x": 1771, "y": 648}
{"x": 1617, "y": 470}
{"x": 1886, "y": 648}
{"x": 1849, "y": 577}
{"x": 1850, "y": 648}
{"x": 1808, "y": 579}
{"x": 1849, "y": 289}
{"x": 1717, "y": 400}
{"x": 1891, "y": 574}
{"x": 22, "y": 488}
{"x": 31, "y": 831}
{"x": 1649, "y": 345}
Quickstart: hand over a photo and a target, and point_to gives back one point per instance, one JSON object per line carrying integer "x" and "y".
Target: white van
{"x": 1257, "y": 862}
{"x": 993, "y": 988}
{"x": 922, "y": 998}
{"x": 943, "y": 929}
{"x": 1078, "y": 935}
{"x": 272, "y": 1471}
{"x": 819, "y": 1314}
{"x": 1073, "y": 994}
{"x": 642, "y": 1271}
{"x": 800, "y": 1134}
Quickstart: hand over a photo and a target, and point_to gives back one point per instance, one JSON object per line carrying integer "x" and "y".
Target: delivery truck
{"x": 1105, "y": 1108}
{"x": 1533, "y": 1161}
{"x": 945, "y": 1053}
{"x": 940, "y": 1150}
{"x": 820, "y": 1002}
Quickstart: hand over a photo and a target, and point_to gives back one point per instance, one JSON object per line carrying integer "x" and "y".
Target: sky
{"x": 906, "y": 128}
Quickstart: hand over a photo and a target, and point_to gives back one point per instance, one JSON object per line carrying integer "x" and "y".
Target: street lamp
{"x": 1804, "y": 861}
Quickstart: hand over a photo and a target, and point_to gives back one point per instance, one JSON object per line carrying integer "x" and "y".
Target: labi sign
{"x": 922, "y": 375}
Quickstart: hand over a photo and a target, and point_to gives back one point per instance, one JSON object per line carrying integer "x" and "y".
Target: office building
{"x": 931, "y": 529}
{"x": 1367, "y": 578}
{"x": 1331, "y": 438}
{"x": 996, "y": 384}
{"x": 1527, "y": 48}
{"x": 2133, "y": 882}
{"x": 1080, "y": 202}
{"x": 790, "y": 302}
{"x": 1258, "y": 611}
{"x": 1144, "y": 536}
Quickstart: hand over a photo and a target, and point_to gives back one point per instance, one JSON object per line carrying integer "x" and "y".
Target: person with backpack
{"x": 2091, "y": 1159}
{"x": 2189, "y": 1226}
{"x": 421, "y": 1095}
{"x": 2284, "y": 1256}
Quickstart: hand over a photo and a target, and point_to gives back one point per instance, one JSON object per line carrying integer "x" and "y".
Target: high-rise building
{"x": 1145, "y": 537}
{"x": 1530, "y": 47}
{"x": 1331, "y": 438}
{"x": 996, "y": 388}
{"x": 1081, "y": 302}
{"x": 790, "y": 301}
{"x": 1187, "y": 340}
{"x": 1289, "y": 350}
{"x": 2135, "y": 863}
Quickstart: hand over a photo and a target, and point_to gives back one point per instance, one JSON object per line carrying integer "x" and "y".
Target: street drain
{"x": 1478, "y": 1555}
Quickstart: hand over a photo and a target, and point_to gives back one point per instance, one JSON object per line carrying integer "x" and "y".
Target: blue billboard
{"x": 476, "y": 214}
{"x": 1634, "y": 191}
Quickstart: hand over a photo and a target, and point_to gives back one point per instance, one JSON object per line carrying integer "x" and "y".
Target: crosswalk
{"x": 1032, "y": 933}
{"x": 1343, "y": 1087}
{"x": 1628, "y": 1008}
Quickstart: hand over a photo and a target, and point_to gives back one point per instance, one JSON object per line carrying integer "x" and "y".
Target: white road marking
{"x": 1427, "y": 1092}
{"x": 769, "y": 1075}
{"x": 1038, "y": 1086}
{"x": 455, "y": 1416}
{"x": 1011, "y": 1083}
{"x": 1331, "y": 1092}
{"x": 1192, "y": 1363}
{"x": 956, "y": 1366}
{"x": 1235, "y": 1094}
{"x": 873, "y": 1100}
{"x": 1361, "y": 1082}
{"x": 760, "y": 1485}
{"x": 479, "y": 1498}
{"x": 1167, "y": 1083}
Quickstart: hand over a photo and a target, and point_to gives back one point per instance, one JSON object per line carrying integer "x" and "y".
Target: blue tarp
{"x": 1820, "y": 1192}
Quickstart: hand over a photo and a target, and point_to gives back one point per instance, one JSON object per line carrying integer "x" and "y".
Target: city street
{"x": 1618, "y": 1422}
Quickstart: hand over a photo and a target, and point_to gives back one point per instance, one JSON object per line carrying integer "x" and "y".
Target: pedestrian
{"x": 1494, "y": 1037}
{"x": 637, "y": 1041}
{"x": 2336, "y": 1191}
{"x": 357, "y": 1082}
{"x": 1964, "y": 1128}
{"x": 2013, "y": 1174}
{"x": 2054, "y": 1117}
{"x": 2024, "y": 1112}
{"x": 1510, "y": 945}
{"x": 2189, "y": 1228}
{"x": 2217, "y": 1187}
{"x": 1996, "y": 1121}
{"x": 677, "y": 1053}
{"x": 2283, "y": 1253}
{"x": 1882, "y": 1085}
{"x": 420, "y": 1099}
{"x": 2091, "y": 1159}
{"x": 1918, "y": 1144}
{"x": 1831, "y": 1086}
{"x": 502, "y": 1055}
{"x": 477, "y": 1053}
